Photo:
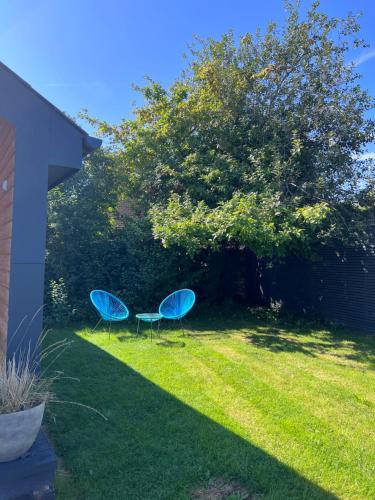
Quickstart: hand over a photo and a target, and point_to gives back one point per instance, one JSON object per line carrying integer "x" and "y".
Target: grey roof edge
{"x": 90, "y": 144}
{"x": 61, "y": 179}
{"x": 49, "y": 103}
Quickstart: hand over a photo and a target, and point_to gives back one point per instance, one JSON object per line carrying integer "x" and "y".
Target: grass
{"x": 276, "y": 410}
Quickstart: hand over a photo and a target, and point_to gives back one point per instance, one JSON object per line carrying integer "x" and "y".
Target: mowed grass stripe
{"x": 286, "y": 405}
{"x": 310, "y": 405}
{"x": 314, "y": 440}
{"x": 325, "y": 398}
{"x": 332, "y": 379}
{"x": 250, "y": 405}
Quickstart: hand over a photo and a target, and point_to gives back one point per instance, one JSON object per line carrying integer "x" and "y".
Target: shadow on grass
{"x": 278, "y": 343}
{"x": 290, "y": 336}
{"x": 170, "y": 343}
{"x": 274, "y": 335}
{"x": 209, "y": 335}
{"x": 131, "y": 338}
{"x": 153, "y": 446}
{"x": 337, "y": 344}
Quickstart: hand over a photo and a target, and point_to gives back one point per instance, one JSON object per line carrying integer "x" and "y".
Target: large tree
{"x": 257, "y": 144}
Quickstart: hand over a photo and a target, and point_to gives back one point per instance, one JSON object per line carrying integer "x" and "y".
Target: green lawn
{"x": 235, "y": 405}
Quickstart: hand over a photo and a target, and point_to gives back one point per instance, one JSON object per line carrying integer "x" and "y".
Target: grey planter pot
{"x": 18, "y": 432}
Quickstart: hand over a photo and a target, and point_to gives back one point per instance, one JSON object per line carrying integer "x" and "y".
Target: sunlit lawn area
{"x": 234, "y": 406}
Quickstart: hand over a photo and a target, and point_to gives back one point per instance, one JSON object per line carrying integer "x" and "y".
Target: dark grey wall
{"x": 45, "y": 140}
{"x": 339, "y": 287}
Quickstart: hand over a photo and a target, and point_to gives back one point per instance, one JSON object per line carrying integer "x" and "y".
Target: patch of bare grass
{"x": 221, "y": 489}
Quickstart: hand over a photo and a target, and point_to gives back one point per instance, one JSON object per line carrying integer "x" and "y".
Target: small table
{"x": 149, "y": 318}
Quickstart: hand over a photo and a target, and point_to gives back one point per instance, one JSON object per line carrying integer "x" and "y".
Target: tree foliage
{"x": 255, "y": 148}
{"x": 257, "y": 143}
{"x": 91, "y": 243}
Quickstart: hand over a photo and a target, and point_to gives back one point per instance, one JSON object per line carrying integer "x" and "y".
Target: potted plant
{"x": 23, "y": 396}
{"x": 24, "y": 393}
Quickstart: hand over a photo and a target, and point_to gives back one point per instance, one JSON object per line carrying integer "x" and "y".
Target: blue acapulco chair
{"x": 109, "y": 307}
{"x": 177, "y": 305}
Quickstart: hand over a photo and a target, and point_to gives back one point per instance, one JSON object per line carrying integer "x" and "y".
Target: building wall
{"x": 45, "y": 138}
{"x": 7, "y": 156}
{"x": 339, "y": 286}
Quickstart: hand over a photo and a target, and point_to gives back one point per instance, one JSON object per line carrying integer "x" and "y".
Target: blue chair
{"x": 177, "y": 304}
{"x": 109, "y": 307}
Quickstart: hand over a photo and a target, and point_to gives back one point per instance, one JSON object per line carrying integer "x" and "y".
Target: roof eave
{"x": 90, "y": 144}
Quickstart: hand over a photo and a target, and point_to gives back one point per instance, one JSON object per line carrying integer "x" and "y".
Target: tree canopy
{"x": 256, "y": 144}
{"x": 254, "y": 151}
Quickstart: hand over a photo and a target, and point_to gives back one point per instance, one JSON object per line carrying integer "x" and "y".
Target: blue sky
{"x": 87, "y": 53}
